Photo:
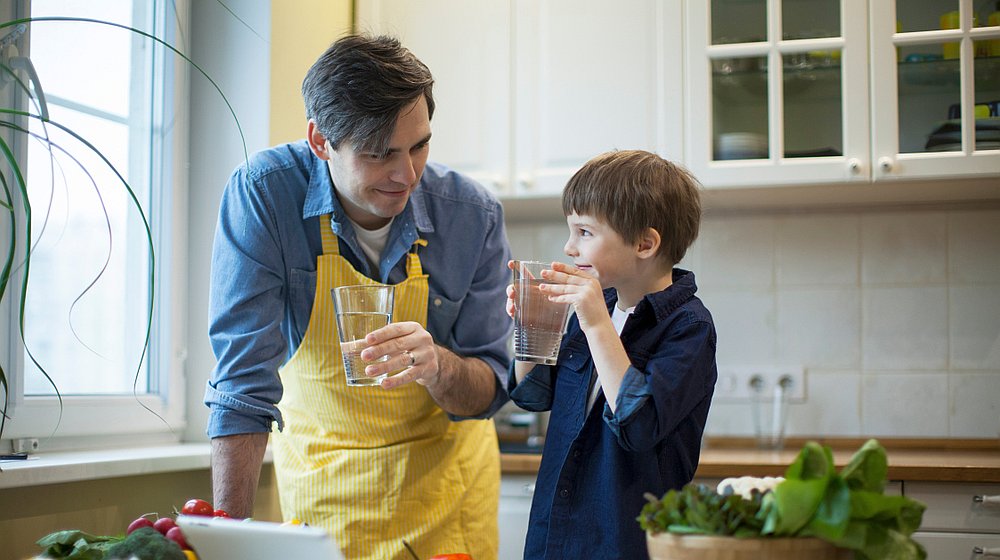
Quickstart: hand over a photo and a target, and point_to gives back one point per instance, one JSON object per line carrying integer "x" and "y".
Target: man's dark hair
{"x": 357, "y": 88}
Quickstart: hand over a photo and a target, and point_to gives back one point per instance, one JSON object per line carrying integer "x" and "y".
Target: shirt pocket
{"x": 301, "y": 295}
{"x": 442, "y": 314}
{"x": 574, "y": 364}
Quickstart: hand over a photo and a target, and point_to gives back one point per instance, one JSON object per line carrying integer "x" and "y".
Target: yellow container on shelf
{"x": 950, "y": 20}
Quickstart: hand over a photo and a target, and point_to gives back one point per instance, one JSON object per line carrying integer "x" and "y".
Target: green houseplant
{"x": 22, "y": 227}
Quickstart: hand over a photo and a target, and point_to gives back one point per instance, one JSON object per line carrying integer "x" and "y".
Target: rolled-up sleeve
{"x": 246, "y": 306}
{"x": 653, "y": 401}
{"x": 534, "y": 393}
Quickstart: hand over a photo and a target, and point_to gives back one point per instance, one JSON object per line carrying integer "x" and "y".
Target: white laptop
{"x": 219, "y": 538}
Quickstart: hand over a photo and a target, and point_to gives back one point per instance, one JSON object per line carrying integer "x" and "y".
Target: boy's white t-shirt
{"x": 618, "y": 318}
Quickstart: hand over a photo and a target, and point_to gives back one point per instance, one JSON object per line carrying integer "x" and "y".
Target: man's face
{"x": 373, "y": 188}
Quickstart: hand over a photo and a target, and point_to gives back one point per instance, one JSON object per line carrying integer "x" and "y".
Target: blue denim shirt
{"x": 595, "y": 467}
{"x": 264, "y": 275}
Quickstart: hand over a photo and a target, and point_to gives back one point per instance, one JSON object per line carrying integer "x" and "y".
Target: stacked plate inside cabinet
{"x": 948, "y": 136}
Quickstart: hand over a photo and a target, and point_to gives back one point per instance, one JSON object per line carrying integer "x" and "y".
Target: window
{"x": 92, "y": 275}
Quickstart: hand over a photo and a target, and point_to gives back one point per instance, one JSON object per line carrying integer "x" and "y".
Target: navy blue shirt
{"x": 596, "y": 467}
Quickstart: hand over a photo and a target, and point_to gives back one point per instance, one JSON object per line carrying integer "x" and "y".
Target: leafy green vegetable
{"x": 847, "y": 509}
{"x": 698, "y": 509}
{"x": 145, "y": 544}
{"x": 75, "y": 545}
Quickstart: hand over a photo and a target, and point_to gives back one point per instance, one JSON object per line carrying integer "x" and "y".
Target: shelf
{"x": 914, "y": 77}
{"x": 944, "y": 76}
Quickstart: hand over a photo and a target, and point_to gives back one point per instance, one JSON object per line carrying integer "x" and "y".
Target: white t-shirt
{"x": 372, "y": 241}
{"x": 618, "y": 318}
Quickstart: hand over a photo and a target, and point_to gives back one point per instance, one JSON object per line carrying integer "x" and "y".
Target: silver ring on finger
{"x": 413, "y": 360}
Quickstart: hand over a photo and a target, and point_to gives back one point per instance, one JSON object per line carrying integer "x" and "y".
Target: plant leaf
{"x": 868, "y": 468}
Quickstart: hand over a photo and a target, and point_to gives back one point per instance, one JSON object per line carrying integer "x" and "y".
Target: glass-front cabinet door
{"x": 801, "y": 92}
{"x": 777, "y": 91}
{"x": 936, "y": 89}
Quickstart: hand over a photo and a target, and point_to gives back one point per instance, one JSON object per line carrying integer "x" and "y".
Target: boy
{"x": 630, "y": 393}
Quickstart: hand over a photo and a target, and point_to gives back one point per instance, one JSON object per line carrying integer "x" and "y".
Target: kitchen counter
{"x": 909, "y": 460}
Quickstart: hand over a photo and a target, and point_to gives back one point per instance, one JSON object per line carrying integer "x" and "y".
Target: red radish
{"x": 138, "y": 524}
{"x": 164, "y": 524}
{"x": 177, "y": 536}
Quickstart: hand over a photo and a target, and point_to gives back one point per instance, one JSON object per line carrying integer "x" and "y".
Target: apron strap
{"x": 413, "y": 268}
{"x": 331, "y": 245}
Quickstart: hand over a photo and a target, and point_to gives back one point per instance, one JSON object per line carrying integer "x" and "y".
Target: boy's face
{"x": 598, "y": 250}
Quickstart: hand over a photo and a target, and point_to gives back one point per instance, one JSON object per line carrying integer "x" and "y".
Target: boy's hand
{"x": 571, "y": 285}
{"x": 511, "y": 301}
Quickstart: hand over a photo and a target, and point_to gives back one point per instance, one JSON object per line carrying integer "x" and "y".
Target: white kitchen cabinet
{"x": 516, "y": 491}
{"x": 962, "y": 520}
{"x": 837, "y": 91}
{"x": 529, "y": 90}
{"x": 745, "y": 93}
{"x": 467, "y": 46}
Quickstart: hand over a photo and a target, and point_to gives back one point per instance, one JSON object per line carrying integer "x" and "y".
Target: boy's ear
{"x": 649, "y": 243}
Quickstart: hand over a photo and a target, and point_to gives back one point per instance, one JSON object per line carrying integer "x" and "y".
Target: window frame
{"x": 160, "y": 414}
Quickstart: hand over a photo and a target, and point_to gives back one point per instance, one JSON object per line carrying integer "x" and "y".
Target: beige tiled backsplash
{"x": 894, "y": 314}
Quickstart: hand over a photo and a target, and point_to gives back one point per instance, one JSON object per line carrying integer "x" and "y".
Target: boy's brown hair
{"x": 632, "y": 190}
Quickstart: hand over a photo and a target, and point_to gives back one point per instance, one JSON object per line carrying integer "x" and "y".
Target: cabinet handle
{"x": 986, "y": 500}
{"x": 885, "y": 164}
{"x": 993, "y": 551}
{"x": 854, "y": 166}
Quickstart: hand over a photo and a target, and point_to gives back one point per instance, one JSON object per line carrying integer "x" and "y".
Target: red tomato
{"x": 220, "y": 513}
{"x": 194, "y": 506}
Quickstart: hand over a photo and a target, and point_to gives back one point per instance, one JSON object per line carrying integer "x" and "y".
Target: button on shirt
{"x": 596, "y": 465}
{"x": 264, "y": 275}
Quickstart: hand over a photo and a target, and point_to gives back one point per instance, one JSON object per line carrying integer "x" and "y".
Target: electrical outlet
{"x": 25, "y": 445}
{"x": 737, "y": 384}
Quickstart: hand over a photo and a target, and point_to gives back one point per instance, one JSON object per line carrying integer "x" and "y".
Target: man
{"x": 357, "y": 202}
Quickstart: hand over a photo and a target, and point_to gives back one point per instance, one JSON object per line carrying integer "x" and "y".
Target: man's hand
{"x": 463, "y": 386}
{"x": 413, "y": 356}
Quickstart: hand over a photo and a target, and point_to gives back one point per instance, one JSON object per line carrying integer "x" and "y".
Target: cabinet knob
{"x": 885, "y": 164}
{"x": 987, "y": 552}
{"x": 854, "y": 166}
{"x": 986, "y": 500}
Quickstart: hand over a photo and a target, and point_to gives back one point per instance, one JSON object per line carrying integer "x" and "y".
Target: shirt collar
{"x": 320, "y": 199}
{"x": 666, "y": 301}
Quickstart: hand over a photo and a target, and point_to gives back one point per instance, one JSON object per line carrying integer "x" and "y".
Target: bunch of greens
{"x": 76, "y": 545}
{"x": 847, "y": 509}
{"x": 699, "y": 509}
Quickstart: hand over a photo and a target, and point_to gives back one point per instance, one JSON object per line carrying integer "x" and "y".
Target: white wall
{"x": 894, "y": 313}
{"x": 235, "y": 56}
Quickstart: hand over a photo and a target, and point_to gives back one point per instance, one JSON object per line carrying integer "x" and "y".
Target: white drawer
{"x": 951, "y": 506}
{"x": 952, "y": 546}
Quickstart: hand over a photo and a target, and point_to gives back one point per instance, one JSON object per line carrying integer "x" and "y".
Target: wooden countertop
{"x": 909, "y": 460}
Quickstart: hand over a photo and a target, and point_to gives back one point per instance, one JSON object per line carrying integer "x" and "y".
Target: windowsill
{"x": 76, "y": 466}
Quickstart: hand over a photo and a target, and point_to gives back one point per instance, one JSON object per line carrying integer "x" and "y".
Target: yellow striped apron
{"x": 377, "y": 466}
